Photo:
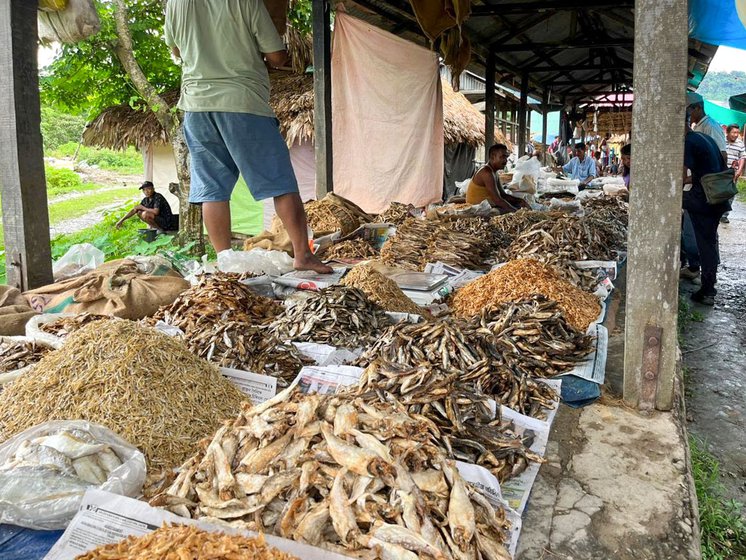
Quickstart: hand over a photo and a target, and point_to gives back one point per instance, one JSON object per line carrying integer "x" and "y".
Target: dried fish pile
{"x": 534, "y": 336}
{"x": 521, "y": 279}
{"x": 142, "y": 384}
{"x": 216, "y": 299}
{"x": 184, "y": 542}
{"x": 334, "y": 213}
{"x": 418, "y": 242}
{"x": 339, "y": 316}
{"x": 454, "y": 346}
{"x": 515, "y": 223}
{"x": 610, "y": 217}
{"x": 363, "y": 479}
{"x": 395, "y": 214}
{"x": 351, "y": 249}
{"x": 380, "y": 290}
{"x": 16, "y": 354}
{"x": 468, "y": 428}
{"x": 66, "y": 325}
{"x": 482, "y": 228}
{"x": 249, "y": 348}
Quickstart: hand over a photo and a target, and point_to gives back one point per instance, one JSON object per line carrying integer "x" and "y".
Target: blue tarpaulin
{"x": 17, "y": 543}
{"x": 718, "y": 22}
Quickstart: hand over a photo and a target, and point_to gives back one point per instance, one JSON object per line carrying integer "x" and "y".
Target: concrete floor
{"x": 713, "y": 351}
{"x": 616, "y": 484}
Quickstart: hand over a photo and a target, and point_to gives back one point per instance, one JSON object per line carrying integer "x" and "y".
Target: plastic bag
{"x": 568, "y": 206}
{"x": 526, "y": 175}
{"x": 35, "y": 492}
{"x": 34, "y": 333}
{"x": 461, "y": 186}
{"x": 257, "y": 261}
{"x": 79, "y": 259}
{"x": 8, "y": 376}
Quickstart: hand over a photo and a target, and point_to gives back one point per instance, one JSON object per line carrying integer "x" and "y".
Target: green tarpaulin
{"x": 247, "y": 215}
{"x": 723, "y": 115}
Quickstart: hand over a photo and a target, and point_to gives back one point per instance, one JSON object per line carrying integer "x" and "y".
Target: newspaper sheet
{"x": 259, "y": 388}
{"x": 105, "y": 518}
{"x": 327, "y": 379}
{"x": 309, "y": 280}
{"x": 457, "y": 277}
{"x": 593, "y": 368}
{"x": 326, "y": 355}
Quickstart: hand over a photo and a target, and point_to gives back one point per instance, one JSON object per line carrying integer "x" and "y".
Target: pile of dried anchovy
{"x": 338, "y": 316}
{"x": 481, "y": 228}
{"x": 16, "y": 354}
{"x": 217, "y": 298}
{"x": 468, "y": 427}
{"x": 395, "y": 214}
{"x": 450, "y": 346}
{"x": 351, "y": 249}
{"x": 521, "y": 279}
{"x": 418, "y": 242}
{"x": 515, "y": 223}
{"x": 66, "y": 325}
{"x": 250, "y": 348}
{"x": 534, "y": 336}
{"x": 349, "y": 476}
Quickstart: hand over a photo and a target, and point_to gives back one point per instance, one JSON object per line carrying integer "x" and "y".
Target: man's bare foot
{"x": 310, "y": 261}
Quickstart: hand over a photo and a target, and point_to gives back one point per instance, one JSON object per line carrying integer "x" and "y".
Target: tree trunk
{"x": 190, "y": 216}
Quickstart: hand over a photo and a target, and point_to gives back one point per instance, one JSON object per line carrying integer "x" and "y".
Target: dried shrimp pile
{"x": 351, "y": 249}
{"x": 521, "y": 279}
{"x": 17, "y": 354}
{"x": 346, "y": 475}
{"x": 534, "y": 336}
{"x": 172, "y": 542}
{"x": 142, "y": 384}
{"x": 338, "y": 316}
{"x": 249, "y": 348}
{"x": 217, "y": 298}
{"x": 467, "y": 425}
{"x": 380, "y": 290}
{"x": 395, "y": 214}
{"x": 65, "y": 325}
{"x": 418, "y": 242}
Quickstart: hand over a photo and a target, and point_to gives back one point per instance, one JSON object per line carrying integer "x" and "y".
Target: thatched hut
{"x": 292, "y": 101}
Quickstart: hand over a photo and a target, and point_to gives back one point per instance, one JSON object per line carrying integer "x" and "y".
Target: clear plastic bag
{"x": 525, "y": 176}
{"x": 40, "y": 493}
{"x": 34, "y": 333}
{"x": 79, "y": 259}
{"x": 257, "y": 261}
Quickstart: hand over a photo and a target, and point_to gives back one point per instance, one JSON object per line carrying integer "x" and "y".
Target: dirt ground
{"x": 714, "y": 346}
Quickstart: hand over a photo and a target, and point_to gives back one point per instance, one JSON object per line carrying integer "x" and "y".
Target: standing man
{"x": 736, "y": 157}
{"x": 154, "y": 210}
{"x": 704, "y": 123}
{"x": 581, "y": 168}
{"x": 702, "y": 157}
{"x": 225, "y": 48}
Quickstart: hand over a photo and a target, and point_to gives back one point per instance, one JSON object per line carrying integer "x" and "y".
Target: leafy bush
{"x": 60, "y": 180}
{"x": 58, "y": 128}
{"x": 129, "y": 161}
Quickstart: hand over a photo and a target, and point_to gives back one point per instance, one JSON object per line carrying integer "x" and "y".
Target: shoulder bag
{"x": 719, "y": 187}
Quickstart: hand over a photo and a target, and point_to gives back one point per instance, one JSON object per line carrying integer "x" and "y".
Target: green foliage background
{"x": 719, "y": 86}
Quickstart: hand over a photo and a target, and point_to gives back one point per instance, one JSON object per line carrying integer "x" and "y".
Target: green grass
{"x": 722, "y": 529}
{"x": 128, "y": 162}
{"x": 76, "y": 207}
{"x": 741, "y": 190}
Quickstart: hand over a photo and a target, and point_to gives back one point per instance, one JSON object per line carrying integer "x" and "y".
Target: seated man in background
{"x": 626, "y": 163}
{"x": 485, "y": 185}
{"x": 154, "y": 210}
{"x": 581, "y": 168}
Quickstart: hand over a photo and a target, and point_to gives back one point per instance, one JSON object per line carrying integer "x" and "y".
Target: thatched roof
{"x": 292, "y": 101}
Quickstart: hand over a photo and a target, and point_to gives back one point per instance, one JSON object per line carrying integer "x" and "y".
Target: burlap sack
{"x": 115, "y": 288}
{"x": 14, "y": 312}
{"x": 276, "y": 239}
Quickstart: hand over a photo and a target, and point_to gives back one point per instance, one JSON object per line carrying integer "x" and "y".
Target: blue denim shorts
{"x": 222, "y": 145}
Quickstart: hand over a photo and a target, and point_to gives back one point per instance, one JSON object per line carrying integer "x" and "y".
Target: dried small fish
{"x": 334, "y": 213}
{"x": 15, "y": 354}
{"x": 396, "y": 213}
{"x": 337, "y": 493}
{"x": 339, "y": 316}
{"x": 65, "y": 325}
{"x": 349, "y": 249}
{"x": 381, "y": 290}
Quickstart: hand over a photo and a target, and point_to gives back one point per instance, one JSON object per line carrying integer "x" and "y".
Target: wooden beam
{"x": 489, "y": 102}
{"x": 584, "y": 44}
{"x": 655, "y": 204}
{"x": 24, "y": 192}
{"x": 322, "y": 96}
{"x": 556, "y": 5}
{"x": 522, "y": 134}
{"x": 576, "y": 67}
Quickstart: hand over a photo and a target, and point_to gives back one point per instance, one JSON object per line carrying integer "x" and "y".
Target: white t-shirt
{"x": 712, "y": 128}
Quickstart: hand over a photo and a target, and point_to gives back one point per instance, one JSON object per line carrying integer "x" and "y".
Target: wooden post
{"x": 545, "y": 116}
{"x": 650, "y": 349}
{"x": 24, "y": 191}
{"x": 522, "y": 109}
{"x": 322, "y": 96}
{"x": 489, "y": 103}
